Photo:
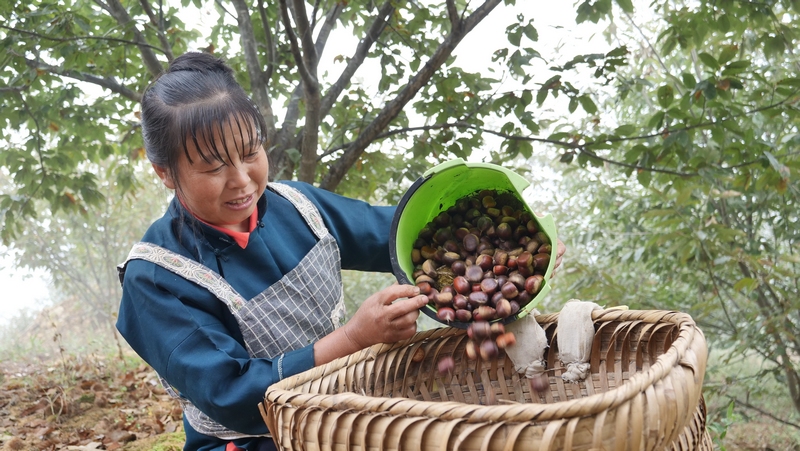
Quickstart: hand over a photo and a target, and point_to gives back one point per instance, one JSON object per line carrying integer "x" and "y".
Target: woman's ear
{"x": 165, "y": 176}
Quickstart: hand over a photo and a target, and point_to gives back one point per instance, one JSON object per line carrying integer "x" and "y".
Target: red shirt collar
{"x": 241, "y": 238}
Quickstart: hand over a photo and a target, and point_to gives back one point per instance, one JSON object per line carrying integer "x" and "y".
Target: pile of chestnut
{"x": 482, "y": 259}
{"x": 479, "y": 261}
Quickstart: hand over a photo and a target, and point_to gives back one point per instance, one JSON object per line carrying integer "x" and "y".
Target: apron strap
{"x": 307, "y": 209}
{"x": 188, "y": 269}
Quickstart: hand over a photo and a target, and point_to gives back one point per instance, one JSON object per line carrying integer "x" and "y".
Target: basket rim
{"x": 681, "y": 352}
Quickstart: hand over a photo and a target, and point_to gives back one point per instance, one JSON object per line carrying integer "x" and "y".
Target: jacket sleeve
{"x": 192, "y": 341}
{"x": 361, "y": 229}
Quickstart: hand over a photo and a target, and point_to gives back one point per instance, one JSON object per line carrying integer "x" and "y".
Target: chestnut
{"x": 479, "y": 330}
{"x": 483, "y": 313}
{"x": 463, "y": 315}
{"x": 509, "y": 290}
{"x": 462, "y": 285}
{"x": 488, "y": 350}
{"x": 477, "y": 298}
{"x": 540, "y": 261}
{"x": 474, "y": 274}
{"x": 471, "y": 242}
{"x": 429, "y": 267}
{"x": 503, "y": 308}
{"x": 458, "y": 267}
{"x": 446, "y": 314}
{"x": 489, "y": 286}
{"x": 471, "y": 350}
{"x": 486, "y": 262}
{"x": 534, "y": 283}
{"x": 460, "y": 302}
{"x": 446, "y": 365}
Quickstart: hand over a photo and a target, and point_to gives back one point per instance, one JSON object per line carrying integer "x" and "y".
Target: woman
{"x": 238, "y": 285}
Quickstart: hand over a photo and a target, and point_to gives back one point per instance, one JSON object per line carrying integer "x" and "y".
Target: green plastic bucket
{"x": 438, "y": 190}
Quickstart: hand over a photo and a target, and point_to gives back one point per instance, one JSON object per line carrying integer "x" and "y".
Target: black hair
{"x": 195, "y": 97}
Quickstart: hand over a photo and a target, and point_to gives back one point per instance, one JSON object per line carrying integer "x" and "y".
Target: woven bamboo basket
{"x": 643, "y": 393}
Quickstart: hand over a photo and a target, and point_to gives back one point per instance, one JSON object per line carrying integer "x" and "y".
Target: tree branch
{"x": 258, "y": 82}
{"x": 80, "y": 38}
{"x": 306, "y": 40}
{"x": 325, "y": 31}
{"x": 158, "y": 23}
{"x": 375, "y": 30}
{"x": 222, "y": 7}
{"x": 281, "y": 167}
{"x": 764, "y": 412}
{"x": 270, "y": 44}
{"x": 14, "y": 88}
{"x": 296, "y": 53}
{"x": 108, "y": 82}
{"x": 307, "y": 67}
{"x": 452, "y": 14}
{"x": 119, "y": 13}
{"x": 464, "y": 125}
{"x": 338, "y": 169}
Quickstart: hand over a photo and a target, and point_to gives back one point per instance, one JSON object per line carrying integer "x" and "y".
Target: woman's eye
{"x": 216, "y": 169}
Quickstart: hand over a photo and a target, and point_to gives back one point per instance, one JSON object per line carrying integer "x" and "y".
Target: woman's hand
{"x": 561, "y": 248}
{"x": 388, "y": 316}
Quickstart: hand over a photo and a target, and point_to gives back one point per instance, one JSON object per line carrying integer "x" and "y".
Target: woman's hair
{"x": 195, "y": 97}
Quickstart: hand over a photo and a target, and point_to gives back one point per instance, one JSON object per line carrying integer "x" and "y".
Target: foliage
{"x": 73, "y": 74}
{"x": 80, "y": 253}
{"x": 686, "y": 197}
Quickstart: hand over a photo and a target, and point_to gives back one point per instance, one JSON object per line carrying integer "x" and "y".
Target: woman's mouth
{"x": 241, "y": 202}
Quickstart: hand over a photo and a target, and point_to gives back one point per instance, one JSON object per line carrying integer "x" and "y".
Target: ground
{"x": 86, "y": 405}
{"x": 107, "y": 404}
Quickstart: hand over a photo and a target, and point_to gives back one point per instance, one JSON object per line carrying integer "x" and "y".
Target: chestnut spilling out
{"x": 482, "y": 259}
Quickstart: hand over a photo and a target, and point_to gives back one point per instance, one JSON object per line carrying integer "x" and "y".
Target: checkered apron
{"x": 304, "y": 306}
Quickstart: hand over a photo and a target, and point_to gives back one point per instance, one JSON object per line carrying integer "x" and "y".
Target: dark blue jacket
{"x": 192, "y": 340}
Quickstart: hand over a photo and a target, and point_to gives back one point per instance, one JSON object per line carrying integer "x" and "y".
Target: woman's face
{"x": 223, "y": 194}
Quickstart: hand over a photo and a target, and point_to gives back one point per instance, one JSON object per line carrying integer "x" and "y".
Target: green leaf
{"x": 710, "y": 91}
{"x": 735, "y": 67}
{"x": 746, "y": 283}
{"x": 774, "y": 45}
{"x": 588, "y": 104}
{"x": 794, "y": 82}
{"x": 665, "y": 95}
{"x": 688, "y": 80}
{"x": 626, "y": 130}
{"x": 527, "y": 97}
{"x": 728, "y": 52}
{"x": 779, "y": 167}
{"x": 724, "y": 23}
{"x": 514, "y": 35}
{"x": 657, "y": 120}
{"x": 644, "y": 177}
{"x": 541, "y": 96}
{"x": 530, "y": 32}
{"x": 625, "y": 5}
{"x": 709, "y": 60}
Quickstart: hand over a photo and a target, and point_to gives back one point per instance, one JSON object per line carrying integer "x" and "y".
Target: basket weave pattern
{"x": 644, "y": 392}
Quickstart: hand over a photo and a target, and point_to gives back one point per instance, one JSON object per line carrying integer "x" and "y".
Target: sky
{"x": 555, "y": 22}
{"x": 21, "y": 290}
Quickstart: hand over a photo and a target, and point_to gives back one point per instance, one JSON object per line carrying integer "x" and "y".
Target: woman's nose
{"x": 238, "y": 176}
